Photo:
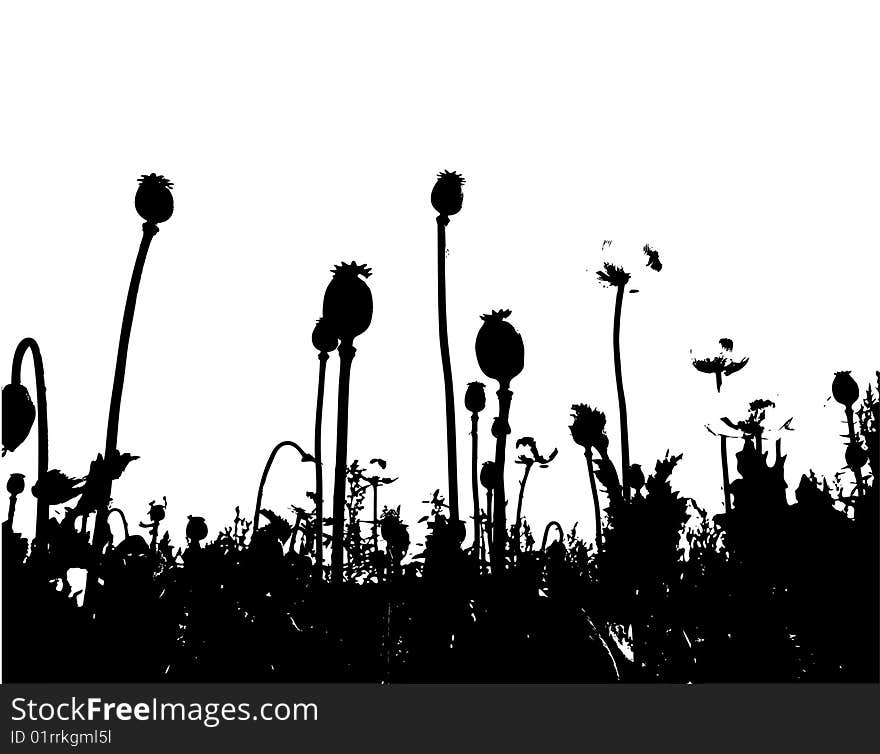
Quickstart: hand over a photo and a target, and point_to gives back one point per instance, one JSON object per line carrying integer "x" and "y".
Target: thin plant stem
{"x": 101, "y": 533}
{"x": 597, "y": 510}
{"x": 501, "y": 429}
{"x": 451, "y": 451}
{"x": 346, "y": 356}
{"x": 725, "y": 474}
{"x": 478, "y": 539}
{"x": 519, "y": 504}
{"x": 850, "y": 423}
{"x": 259, "y": 505}
{"x": 621, "y": 397}
{"x": 319, "y": 468}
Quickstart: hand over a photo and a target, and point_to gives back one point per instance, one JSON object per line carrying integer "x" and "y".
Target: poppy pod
{"x": 499, "y": 347}
{"x": 844, "y": 389}
{"x": 15, "y": 484}
{"x": 196, "y": 528}
{"x": 157, "y": 513}
{"x": 856, "y": 456}
{"x": 323, "y": 338}
{"x": 489, "y": 475}
{"x": 18, "y": 416}
{"x": 446, "y": 196}
{"x": 153, "y": 200}
{"x": 475, "y": 397}
{"x": 348, "y": 302}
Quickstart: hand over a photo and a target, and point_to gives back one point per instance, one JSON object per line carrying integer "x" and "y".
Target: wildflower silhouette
{"x": 446, "y": 198}
{"x": 722, "y": 366}
{"x": 155, "y": 204}
{"x": 475, "y": 402}
{"x": 258, "y": 508}
{"x": 325, "y": 342}
{"x": 18, "y": 418}
{"x": 846, "y": 393}
{"x": 588, "y": 431}
{"x": 500, "y": 354}
{"x": 527, "y": 460}
{"x": 14, "y": 486}
{"x": 616, "y": 277}
{"x": 348, "y": 311}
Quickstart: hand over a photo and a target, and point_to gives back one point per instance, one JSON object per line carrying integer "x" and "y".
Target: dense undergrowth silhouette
{"x": 781, "y": 586}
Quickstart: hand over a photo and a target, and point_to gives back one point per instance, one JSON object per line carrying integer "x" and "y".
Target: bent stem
{"x": 259, "y": 506}
{"x": 346, "y": 356}
{"x": 451, "y": 451}
{"x": 621, "y": 397}
{"x": 101, "y": 534}
{"x": 501, "y": 429}
{"x": 25, "y": 346}
{"x": 519, "y": 504}
{"x": 319, "y": 468}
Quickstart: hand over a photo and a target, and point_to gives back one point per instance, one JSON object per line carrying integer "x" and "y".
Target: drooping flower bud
{"x": 489, "y": 475}
{"x": 348, "y": 302}
{"x": 475, "y": 397}
{"x": 446, "y": 196}
{"x": 844, "y": 389}
{"x": 18, "y": 416}
{"x": 500, "y": 350}
{"x": 15, "y": 484}
{"x": 153, "y": 200}
{"x": 323, "y": 338}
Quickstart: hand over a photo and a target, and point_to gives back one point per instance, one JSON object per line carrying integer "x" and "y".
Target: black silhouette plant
{"x": 475, "y": 402}
{"x": 722, "y": 366}
{"x": 18, "y": 418}
{"x": 527, "y": 460}
{"x": 446, "y": 198}
{"x": 325, "y": 341}
{"x": 155, "y": 204}
{"x": 156, "y": 515}
{"x": 489, "y": 480}
{"x": 588, "y": 431}
{"x": 846, "y": 393}
{"x": 304, "y": 457}
{"x": 348, "y": 311}
{"x": 500, "y": 354}
{"x": 14, "y": 486}
{"x": 616, "y": 277}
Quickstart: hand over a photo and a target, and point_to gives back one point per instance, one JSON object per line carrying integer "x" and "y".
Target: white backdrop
{"x": 739, "y": 140}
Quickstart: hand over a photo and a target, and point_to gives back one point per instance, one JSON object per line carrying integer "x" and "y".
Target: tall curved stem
{"x": 451, "y": 451}
{"x": 102, "y": 531}
{"x": 621, "y": 397}
{"x": 501, "y": 429}
{"x": 319, "y": 468}
{"x": 725, "y": 474}
{"x": 346, "y": 356}
{"x": 25, "y": 346}
{"x": 478, "y": 539}
{"x": 265, "y": 476}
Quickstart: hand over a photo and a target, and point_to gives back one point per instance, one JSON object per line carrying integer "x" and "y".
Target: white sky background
{"x": 739, "y": 141}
